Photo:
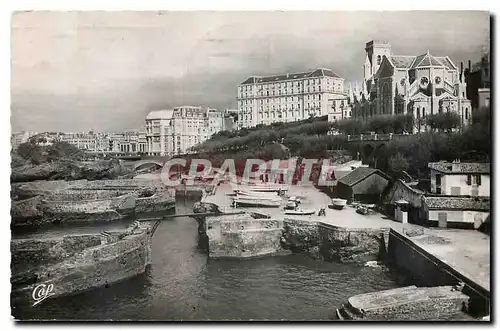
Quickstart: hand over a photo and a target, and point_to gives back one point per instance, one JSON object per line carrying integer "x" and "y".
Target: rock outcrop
{"x": 69, "y": 170}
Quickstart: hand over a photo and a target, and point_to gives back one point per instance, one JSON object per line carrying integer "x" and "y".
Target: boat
{"x": 264, "y": 188}
{"x": 299, "y": 211}
{"x": 338, "y": 203}
{"x": 362, "y": 210}
{"x": 291, "y": 205}
{"x": 250, "y": 201}
{"x": 257, "y": 194}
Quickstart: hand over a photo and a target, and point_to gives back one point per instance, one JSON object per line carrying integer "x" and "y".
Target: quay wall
{"x": 332, "y": 243}
{"x": 423, "y": 269}
{"x": 243, "y": 236}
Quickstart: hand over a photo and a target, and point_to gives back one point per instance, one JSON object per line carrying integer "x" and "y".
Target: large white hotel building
{"x": 291, "y": 97}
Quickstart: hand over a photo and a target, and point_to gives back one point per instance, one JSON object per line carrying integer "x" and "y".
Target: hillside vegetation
{"x": 310, "y": 139}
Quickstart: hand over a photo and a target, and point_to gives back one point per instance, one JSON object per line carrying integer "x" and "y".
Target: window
{"x": 469, "y": 180}
{"x": 319, "y": 97}
{"x": 379, "y": 59}
{"x": 478, "y": 179}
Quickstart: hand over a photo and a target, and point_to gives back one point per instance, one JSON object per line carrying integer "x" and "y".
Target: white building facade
{"x": 18, "y": 138}
{"x": 159, "y": 140}
{"x": 460, "y": 194}
{"x": 456, "y": 178}
{"x": 88, "y": 141}
{"x": 291, "y": 97}
{"x": 170, "y": 132}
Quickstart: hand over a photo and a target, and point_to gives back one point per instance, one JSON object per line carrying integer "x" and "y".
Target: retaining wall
{"x": 423, "y": 269}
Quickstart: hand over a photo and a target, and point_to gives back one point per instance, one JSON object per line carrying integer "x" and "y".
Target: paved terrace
{"x": 466, "y": 251}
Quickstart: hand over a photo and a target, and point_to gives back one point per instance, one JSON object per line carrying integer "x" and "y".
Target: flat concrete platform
{"x": 466, "y": 251}
{"x": 311, "y": 198}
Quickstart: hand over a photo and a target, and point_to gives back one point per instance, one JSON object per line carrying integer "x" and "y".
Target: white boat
{"x": 256, "y": 202}
{"x": 339, "y": 203}
{"x": 264, "y": 188}
{"x": 256, "y": 194}
{"x": 299, "y": 211}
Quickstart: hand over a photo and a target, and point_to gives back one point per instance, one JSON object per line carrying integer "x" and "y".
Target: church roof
{"x": 446, "y": 61}
{"x": 321, "y": 72}
{"x": 401, "y": 61}
{"x": 426, "y": 60}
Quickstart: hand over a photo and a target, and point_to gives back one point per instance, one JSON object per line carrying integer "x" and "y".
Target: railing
{"x": 372, "y": 137}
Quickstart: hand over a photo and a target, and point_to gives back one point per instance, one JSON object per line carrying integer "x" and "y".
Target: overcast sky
{"x": 76, "y": 71}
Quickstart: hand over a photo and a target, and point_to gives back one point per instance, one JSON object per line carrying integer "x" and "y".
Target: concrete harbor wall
{"x": 423, "y": 269}
{"x": 332, "y": 243}
{"x": 242, "y": 236}
{"x": 119, "y": 256}
{"x": 409, "y": 303}
{"x": 32, "y": 253}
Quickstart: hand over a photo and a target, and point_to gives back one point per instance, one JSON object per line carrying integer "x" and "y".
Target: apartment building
{"x": 89, "y": 141}
{"x": 18, "y": 138}
{"x": 159, "y": 132}
{"x": 291, "y": 97}
{"x": 175, "y": 131}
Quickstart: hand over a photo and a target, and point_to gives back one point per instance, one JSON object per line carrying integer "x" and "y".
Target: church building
{"x": 421, "y": 85}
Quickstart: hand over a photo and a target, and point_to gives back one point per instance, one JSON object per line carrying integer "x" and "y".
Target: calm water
{"x": 182, "y": 284}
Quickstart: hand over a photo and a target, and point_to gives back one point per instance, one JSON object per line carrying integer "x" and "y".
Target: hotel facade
{"x": 291, "y": 97}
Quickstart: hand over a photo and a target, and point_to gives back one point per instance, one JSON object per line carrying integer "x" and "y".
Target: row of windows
{"x": 288, "y": 92}
{"x": 283, "y": 100}
{"x": 283, "y": 84}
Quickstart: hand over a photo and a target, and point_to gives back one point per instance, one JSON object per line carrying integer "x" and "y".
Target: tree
{"x": 397, "y": 165}
{"x": 444, "y": 121}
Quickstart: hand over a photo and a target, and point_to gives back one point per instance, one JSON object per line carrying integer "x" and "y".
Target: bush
{"x": 444, "y": 121}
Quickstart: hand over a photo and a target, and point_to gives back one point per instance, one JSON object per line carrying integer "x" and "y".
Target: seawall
{"x": 423, "y": 268}
{"x": 334, "y": 243}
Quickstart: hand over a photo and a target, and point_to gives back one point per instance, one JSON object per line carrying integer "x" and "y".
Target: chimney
{"x": 455, "y": 166}
{"x": 469, "y": 66}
